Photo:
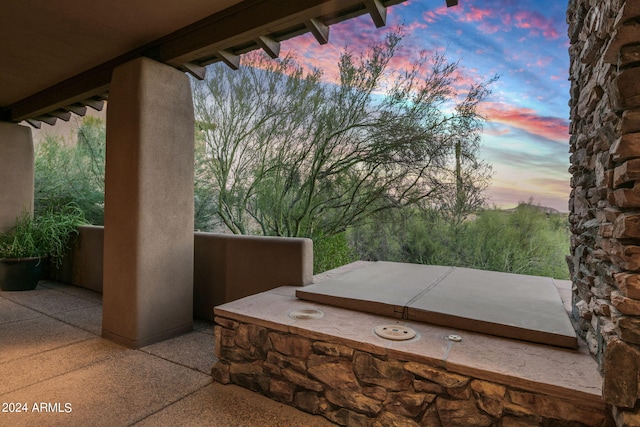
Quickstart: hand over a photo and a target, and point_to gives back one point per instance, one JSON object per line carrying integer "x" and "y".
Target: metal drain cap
{"x": 306, "y": 314}
{"x": 394, "y": 332}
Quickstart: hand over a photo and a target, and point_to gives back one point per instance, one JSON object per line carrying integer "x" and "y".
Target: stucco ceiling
{"x": 58, "y": 54}
{"x": 46, "y": 41}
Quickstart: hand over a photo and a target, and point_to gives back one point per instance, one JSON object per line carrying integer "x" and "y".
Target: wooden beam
{"x": 246, "y": 20}
{"x": 96, "y": 104}
{"x": 63, "y": 94}
{"x": 231, "y": 59}
{"x": 269, "y": 45}
{"x": 78, "y": 109}
{"x": 50, "y": 120}
{"x": 232, "y": 27}
{"x": 378, "y": 12}
{"x": 61, "y": 114}
{"x": 451, "y": 3}
{"x": 34, "y": 123}
{"x": 195, "y": 70}
{"x": 319, "y": 30}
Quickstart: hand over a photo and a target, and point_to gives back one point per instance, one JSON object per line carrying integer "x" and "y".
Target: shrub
{"x": 331, "y": 252}
{"x": 525, "y": 241}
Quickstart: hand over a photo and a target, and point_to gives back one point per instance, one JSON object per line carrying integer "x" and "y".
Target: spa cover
{"x": 508, "y": 305}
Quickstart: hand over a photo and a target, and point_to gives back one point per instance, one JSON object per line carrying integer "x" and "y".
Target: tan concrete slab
{"x": 25, "y": 371}
{"x": 88, "y": 319}
{"x": 564, "y": 290}
{"x": 13, "y": 312}
{"x": 551, "y": 370}
{"x": 49, "y": 301}
{"x": 503, "y": 304}
{"x": 33, "y": 336}
{"x": 374, "y": 288}
{"x": 44, "y": 360}
{"x": 218, "y": 405}
{"x": 116, "y": 392}
{"x": 356, "y": 329}
{"x": 87, "y": 294}
{"x": 204, "y": 326}
{"x": 193, "y": 350}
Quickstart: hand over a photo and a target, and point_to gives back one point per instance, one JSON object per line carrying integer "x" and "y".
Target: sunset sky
{"x": 525, "y": 43}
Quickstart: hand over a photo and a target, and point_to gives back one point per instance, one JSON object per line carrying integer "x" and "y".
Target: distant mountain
{"x": 544, "y": 209}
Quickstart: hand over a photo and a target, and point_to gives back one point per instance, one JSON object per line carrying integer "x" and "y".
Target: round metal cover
{"x": 309, "y": 313}
{"x": 394, "y": 332}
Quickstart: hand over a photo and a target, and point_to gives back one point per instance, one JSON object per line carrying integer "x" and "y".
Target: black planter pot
{"x": 21, "y": 274}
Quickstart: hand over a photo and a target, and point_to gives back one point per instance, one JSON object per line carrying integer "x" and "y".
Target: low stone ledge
{"x": 356, "y": 388}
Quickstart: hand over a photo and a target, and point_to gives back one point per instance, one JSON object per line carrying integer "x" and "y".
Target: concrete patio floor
{"x": 57, "y": 370}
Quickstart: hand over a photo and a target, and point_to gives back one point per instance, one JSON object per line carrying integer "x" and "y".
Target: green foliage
{"x": 332, "y": 252}
{"x": 524, "y": 241}
{"x": 72, "y": 173}
{"x": 46, "y": 234}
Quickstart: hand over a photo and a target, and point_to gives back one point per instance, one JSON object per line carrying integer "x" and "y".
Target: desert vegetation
{"x": 380, "y": 165}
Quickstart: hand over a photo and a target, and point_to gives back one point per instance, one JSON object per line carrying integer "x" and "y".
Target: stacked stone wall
{"x": 605, "y": 196}
{"x": 366, "y": 388}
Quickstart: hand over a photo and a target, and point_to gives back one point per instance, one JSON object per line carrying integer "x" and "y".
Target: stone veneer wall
{"x": 605, "y": 196}
{"x": 365, "y": 388}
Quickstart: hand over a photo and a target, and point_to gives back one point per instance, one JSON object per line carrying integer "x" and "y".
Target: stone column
{"x": 16, "y": 173}
{"x": 605, "y": 196}
{"x": 148, "y": 242}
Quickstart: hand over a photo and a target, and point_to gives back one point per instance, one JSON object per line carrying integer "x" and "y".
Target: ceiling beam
{"x": 78, "y": 109}
{"x": 50, "y": 120}
{"x": 378, "y": 12}
{"x": 239, "y": 25}
{"x": 319, "y": 30}
{"x": 35, "y": 123}
{"x": 232, "y": 60}
{"x": 269, "y": 45}
{"x": 195, "y": 70}
{"x": 61, "y": 114}
{"x": 96, "y": 104}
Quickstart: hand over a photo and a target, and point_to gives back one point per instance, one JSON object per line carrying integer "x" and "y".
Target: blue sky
{"x": 526, "y": 138}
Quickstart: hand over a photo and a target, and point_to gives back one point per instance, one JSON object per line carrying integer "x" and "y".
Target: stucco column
{"x": 16, "y": 173}
{"x": 148, "y": 241}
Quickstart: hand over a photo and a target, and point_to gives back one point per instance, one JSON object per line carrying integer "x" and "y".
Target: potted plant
{"x": 32, "y": 243}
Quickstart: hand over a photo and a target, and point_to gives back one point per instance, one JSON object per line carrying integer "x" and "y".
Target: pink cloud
{"x": 430, "y": 16}
{"x": 543, "y": 62}
{"x": 496, "y": 17}
{"x": 496, "y": 132}
{"x": 536, "y": 23}
{"x": 553, "y": 128}
{"x": 416, "y": 25}
{"x": 476, "y": 15}
{"x": 488, "y": 28}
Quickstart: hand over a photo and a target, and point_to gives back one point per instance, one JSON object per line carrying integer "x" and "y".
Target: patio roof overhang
{"x": 58, "y": 57}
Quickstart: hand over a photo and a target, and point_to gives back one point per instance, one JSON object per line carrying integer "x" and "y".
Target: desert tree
{"x": 287, "y": 153}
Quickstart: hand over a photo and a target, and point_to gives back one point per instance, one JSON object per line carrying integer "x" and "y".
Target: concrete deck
{"x": 51, "y": 353}
{"x": 52, "y": 359}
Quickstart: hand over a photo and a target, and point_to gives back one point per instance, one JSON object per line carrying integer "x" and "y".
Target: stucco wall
{"x": 226, "y": 267}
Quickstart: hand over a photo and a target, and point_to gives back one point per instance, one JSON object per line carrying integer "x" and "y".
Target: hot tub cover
{"x": 504, "y": 304}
